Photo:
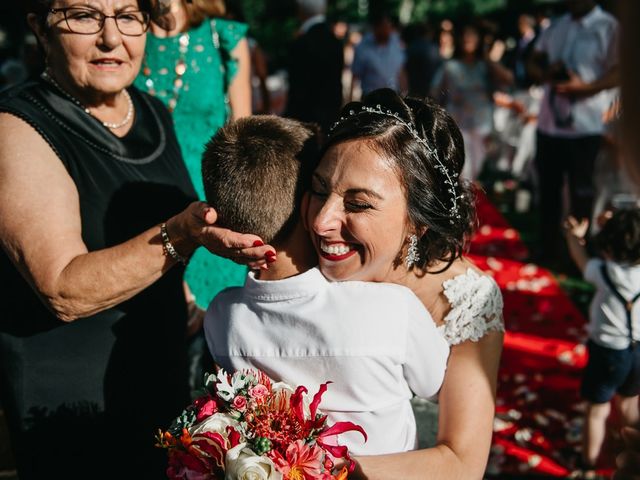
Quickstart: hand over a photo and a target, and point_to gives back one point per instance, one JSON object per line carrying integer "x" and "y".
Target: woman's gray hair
{"x": 309, "y": 8}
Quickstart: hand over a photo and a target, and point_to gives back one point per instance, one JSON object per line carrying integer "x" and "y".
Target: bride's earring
{"x": 413, "y": 256}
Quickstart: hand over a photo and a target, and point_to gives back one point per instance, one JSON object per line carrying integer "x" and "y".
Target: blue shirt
{"x": 378, "y": 65}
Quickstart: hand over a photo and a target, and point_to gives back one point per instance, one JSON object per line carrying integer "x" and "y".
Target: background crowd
{"x": 533, "y": 86}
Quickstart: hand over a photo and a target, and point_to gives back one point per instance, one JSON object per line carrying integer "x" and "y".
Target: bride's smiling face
{"x": 357, "y": 213}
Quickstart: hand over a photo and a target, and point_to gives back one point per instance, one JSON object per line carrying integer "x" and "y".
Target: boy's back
{"x": 607, "y": 314}
{"x": 375, "y": 342}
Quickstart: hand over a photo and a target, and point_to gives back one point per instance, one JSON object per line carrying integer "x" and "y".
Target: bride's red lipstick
{"x": 335, "y": 258}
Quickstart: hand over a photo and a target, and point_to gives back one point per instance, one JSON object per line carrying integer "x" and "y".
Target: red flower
{"x": 275, "y": 421}
{"x": 211, "y": 447}
{"x": 185, "y": 466}
{"x": 337, "y": 451}
{"x": 205, "y": 406}
{"x": 234, "y": 437}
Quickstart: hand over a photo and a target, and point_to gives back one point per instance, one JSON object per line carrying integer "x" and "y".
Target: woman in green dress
{"x": 198, "y": 65}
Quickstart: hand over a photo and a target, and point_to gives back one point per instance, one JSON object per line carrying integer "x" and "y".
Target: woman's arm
{"x": 467, "y": 406}
{"x": 575, "y": 231}
{"x": 240, "y": 88}
{"x": 259, "y": 63}
{"x": 500, "y": 75}
{"x": 41, "y": 232}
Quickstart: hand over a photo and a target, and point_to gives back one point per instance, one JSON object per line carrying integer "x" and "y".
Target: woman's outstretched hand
{"x": 243, "y": 248}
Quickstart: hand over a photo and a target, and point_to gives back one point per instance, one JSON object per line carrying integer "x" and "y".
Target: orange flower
{"x": 302, "y": 462}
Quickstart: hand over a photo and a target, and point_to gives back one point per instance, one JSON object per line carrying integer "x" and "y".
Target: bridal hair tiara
{"x": 377, "y": 110}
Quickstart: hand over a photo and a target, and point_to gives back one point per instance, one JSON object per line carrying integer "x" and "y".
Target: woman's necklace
{"x": 87, "y": 110}
{"x": 180, "y": 68}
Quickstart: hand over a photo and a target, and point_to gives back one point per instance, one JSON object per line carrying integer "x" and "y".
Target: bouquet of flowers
{"x": 246, "y": 427}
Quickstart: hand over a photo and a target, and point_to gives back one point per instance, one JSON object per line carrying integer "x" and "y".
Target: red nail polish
{"x": 271, "y": 259}
{"x": 270, "y": 253}
{"x": 258, "y": 243}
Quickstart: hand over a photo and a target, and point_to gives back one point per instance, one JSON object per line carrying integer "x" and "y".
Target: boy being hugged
{"x": 376, "y": 342}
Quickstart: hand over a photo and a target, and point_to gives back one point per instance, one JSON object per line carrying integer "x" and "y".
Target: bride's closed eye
{"x": 356, "y": 206}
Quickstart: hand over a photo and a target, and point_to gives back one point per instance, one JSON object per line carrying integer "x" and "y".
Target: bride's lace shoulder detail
{"x": 476, "y": 307}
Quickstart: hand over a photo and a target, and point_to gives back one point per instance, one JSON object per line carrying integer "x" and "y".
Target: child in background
{"x": 376, "y": 342}
{"x": 613, "y": 368}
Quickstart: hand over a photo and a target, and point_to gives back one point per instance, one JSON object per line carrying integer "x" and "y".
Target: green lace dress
{"x": 190, "y": 73}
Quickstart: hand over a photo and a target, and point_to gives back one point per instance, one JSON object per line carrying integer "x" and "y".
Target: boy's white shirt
{"x": 607, "y": 315}
{"x": 376, "y": 342}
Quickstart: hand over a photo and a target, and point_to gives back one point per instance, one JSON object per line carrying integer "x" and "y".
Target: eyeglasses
{"x": 87, "y": 21}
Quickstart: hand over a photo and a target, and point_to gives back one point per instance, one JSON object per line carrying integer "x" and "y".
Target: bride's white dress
{"x": 476, "y": 309}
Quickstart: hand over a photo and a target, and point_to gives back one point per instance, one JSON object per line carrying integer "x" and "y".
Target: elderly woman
{"x": 95, "y": 213}
{"x": 387, "y": 204}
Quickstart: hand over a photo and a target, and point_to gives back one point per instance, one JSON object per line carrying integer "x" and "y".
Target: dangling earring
{"x": 413, "y": 255}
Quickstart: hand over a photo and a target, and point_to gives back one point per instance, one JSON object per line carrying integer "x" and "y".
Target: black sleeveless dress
{"x": 85, "y": 399}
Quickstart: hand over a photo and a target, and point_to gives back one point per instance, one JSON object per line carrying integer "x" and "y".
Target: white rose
{"x": 243, "y": 464}
{"x": 216, "y": 423}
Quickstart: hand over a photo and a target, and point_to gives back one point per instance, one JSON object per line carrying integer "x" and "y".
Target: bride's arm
{"x": 467, "y": 404}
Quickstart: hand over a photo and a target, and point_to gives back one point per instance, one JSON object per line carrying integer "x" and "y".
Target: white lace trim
{"x": 476, "y": 307}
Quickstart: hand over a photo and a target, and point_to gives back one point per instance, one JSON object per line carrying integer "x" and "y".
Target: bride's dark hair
{"x": 447, "y": 212}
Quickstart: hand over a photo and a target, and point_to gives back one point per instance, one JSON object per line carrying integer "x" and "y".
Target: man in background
{"x": 315, "y": 68}
{"x": 379, "y": 58}
{"x": 576, "y": 59}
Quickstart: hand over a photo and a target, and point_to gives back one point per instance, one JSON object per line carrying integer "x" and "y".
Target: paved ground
{"x": 426, "y": 414}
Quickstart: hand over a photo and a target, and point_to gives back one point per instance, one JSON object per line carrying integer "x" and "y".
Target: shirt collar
{"x": 307, "y": 283}
{"x": 310, "y": 22}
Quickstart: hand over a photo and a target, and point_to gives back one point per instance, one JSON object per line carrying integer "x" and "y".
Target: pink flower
{"x": 240, "y": 403}
{"x": 258, "y": 392}
{"x": 302, "y": 461}
{"x": 206, "y": 407}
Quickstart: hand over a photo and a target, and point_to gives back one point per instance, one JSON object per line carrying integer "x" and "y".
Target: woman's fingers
{"x": 209, "y": 214}
{"x": 242, "y": 248}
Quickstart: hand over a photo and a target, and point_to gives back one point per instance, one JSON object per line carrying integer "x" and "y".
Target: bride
{"x": 387, "y": 205}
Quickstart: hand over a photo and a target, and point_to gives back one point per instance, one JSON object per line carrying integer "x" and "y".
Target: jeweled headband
{"x": 377, "y": 110}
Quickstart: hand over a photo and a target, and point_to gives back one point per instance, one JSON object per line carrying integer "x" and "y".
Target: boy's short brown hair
{"x": 255, "y": 171}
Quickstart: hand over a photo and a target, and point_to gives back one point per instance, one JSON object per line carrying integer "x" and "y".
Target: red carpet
{"x": 539, "y": 418}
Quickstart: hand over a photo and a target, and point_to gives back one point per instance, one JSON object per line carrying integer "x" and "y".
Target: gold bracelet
{"x": 168, "y": 247}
